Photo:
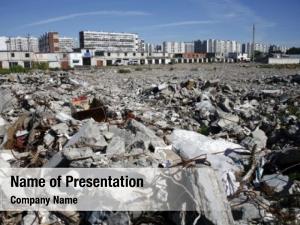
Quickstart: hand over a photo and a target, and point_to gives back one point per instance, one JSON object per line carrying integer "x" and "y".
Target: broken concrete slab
{"x": 88, "y": 135}
{"x": 136, "y": 126}
{"x": 116, "y": 146}
{"x": 210, "y": 194}
{"x": 260, "y": 138}
{"x": 77, "y": 153}
{"x": 276, "y": 182}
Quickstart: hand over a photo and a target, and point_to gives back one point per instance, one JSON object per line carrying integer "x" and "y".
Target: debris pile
{"x": 244, "y": 134}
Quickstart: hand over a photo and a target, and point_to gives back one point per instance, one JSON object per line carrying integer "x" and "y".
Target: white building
{"x": 109, "y": 42}
{"x": 173, "y": 47}
{"x": 3, "y": 44}
{"x": 189, "y": 47}
{"x": 74, "y": 59}
{"x": 141, "y": 46}
{"x": 52, "y": 59}
{"x": 16, "y": 58}
{"x": 67, "y": 44}
{"x": 149, "y": 48}
{"x": 21, "y": 44}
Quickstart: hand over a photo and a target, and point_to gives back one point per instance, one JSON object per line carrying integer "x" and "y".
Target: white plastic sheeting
{"x": 190, "y": 145}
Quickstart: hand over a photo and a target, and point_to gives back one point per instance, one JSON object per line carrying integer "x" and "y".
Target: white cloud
{"x": 183, "y": 23}
{"x": 233, "y": 11}
{"x": 80, "y": 14}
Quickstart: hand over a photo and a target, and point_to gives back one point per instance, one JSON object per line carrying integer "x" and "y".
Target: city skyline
{"x": 156, "y": 22}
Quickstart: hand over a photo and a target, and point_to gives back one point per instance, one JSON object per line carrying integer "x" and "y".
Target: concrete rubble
{"x": 241, "y": 129}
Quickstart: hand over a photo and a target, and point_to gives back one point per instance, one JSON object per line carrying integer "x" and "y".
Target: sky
{"x": 277, "y": 21}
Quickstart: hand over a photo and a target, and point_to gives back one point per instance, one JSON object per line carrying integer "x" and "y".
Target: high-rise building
{"x": 219, "y": 47}
{"x": 141, "y": 46}
{"x": 149, "y": 48}
{"x": 109, "y": 42}
{"x": 238, "y": 47}
{"x": 189, "y": 47}
{"x": 198, "y": 46}
{"x": 20, "y": 44}
{"x": 173, "y": 47}
{"x": 67, "y": 44}
{"x": 277, "y": 48}
{"x": 49, "y": 42}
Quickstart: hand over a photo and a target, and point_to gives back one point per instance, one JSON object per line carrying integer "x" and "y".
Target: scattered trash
{"x": 241, "y": 130}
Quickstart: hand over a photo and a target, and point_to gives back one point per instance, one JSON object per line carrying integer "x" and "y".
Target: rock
{"x": 210, "y": 194}
{"x": 48, "y": 139}
{"x": 227, "y": 119}
{"x": 205, "y": 110}
{"x": 123, "y": 133}
{"x": 247, "y": 212}
{"x": 77, "y": 153}
{"x": 136, "y": 126}
{"x": 116, "y": 146}
{"x": 276, "y": 182}
{"x": 260, "y": 138}
{"x": 60, "y": 128}
{"x": 225, "y": 105}
{"x": 7, "y": 100}
{"x": 161, "y": 124}
{"x": 89, "y": 135}
{"x": 108, "y": 135}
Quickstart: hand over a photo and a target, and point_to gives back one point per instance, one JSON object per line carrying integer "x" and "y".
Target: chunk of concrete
{"x": 276, "y": 182}
{"x": 60, "y": 128}
{"x": 108, "y": 135}
{"x": 89, "y": 135}
{"x": 77, "y": 153}
{"x": 155, "y": 141}
{"x": 260, "y": 138}
{"x": 208, "y": 191}
{"x": 7, "y": 100}
{"x": 116, "y": 146}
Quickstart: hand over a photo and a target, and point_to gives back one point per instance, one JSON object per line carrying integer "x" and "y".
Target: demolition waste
{"x": 239, "y": 123}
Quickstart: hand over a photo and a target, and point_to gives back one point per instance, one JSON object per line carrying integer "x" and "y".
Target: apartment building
{"x": 189, "y": 47}
{"x": 109, "y": 42}
{"x": 49, "y": 43}
{"x": 141, "y": 45}
{"x": 20, "y": 44}
{"x": 173, "y": 47}
{"x": 67, "y": 44}
{"x": 275, "y": 48}
{"x": 220, "y": 47}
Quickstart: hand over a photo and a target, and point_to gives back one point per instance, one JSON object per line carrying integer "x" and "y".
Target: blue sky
{"x": 277, "y": 21}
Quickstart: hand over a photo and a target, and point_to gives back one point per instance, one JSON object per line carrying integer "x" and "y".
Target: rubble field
{"x": 239, "y": 123}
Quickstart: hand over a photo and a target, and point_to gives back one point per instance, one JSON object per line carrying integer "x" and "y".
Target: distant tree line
{"x": 293, "y": 51}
